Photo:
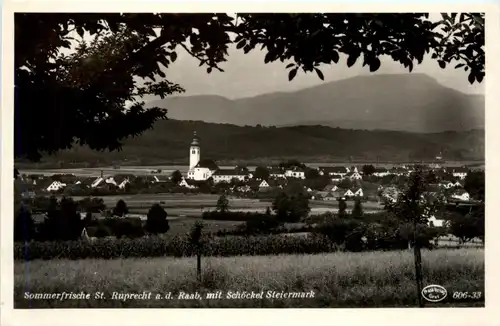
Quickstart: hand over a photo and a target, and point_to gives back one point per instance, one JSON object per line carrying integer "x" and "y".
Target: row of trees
{"x": 64, "y": 221}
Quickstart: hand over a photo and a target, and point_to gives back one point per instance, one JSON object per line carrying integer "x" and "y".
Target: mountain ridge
{"x": 413, "y": 102}
{"x": 169, "y": 141}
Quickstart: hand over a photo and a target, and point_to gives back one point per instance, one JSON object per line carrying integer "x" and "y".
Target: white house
{"x": 185, "y": 184}
{"x": 461, "y": 194}
{"x": 55, "y": 186}
{"x": 457, "y": 172}
{"x": 359, "y": 192}
{"x": 338, "y": 171}
{"x": 348, "y": 193}
{"x": 263, "y": 184}
{"x": 435, "y": 222}
{"x": 226, "y": 175}
{"x": 446, "y": 184}
{"x": 354, "y": 175}
{"x": 97, "y": 182}
{"x": 295, "y": 173}
{"x": 381, "y": 172}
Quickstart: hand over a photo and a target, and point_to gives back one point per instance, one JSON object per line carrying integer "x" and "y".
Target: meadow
{"x": 340, "y": 279}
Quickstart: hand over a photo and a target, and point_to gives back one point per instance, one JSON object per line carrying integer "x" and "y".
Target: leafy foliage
{"x": 92, "y": 96}
{"x": 24, "y": 225}
{"x": 120, "y": 209}
{"x": 63, "y": 222}
{"x": 357, "y": 211}
{"x": 261, "y": 173}
{"x": 176, "y": 177}
{"x": 474, "y": 184}
{"x": 342, "y": 208}
{"x": 157, "y": 220}
{"x": 222, "y": 204}
{"x": 291, "y": 208}
{"x": 368, "y": 169}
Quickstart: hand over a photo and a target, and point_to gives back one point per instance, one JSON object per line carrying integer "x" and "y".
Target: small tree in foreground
{"x": 223, "y": 204}
{"x": 197, "y": 245}
{"x": 157, "y": 220}
{"x": 357, "y": 211}
{"x": 120, "y": 209}
{"x": 413, "y": 208}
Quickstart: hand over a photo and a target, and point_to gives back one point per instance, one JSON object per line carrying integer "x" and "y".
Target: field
{"x": 370, "y": 279}
{"x": 192, "y": 205}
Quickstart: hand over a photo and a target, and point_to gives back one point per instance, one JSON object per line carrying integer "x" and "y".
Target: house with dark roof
{"x": 276, "y": 172}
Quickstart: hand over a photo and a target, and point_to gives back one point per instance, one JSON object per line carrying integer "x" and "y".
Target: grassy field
{"x": 373, "y": 279}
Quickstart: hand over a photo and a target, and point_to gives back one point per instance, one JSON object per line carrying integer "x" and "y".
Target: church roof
{"x": 209, "y": 164}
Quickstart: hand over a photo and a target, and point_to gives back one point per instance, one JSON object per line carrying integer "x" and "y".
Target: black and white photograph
{"x": 248, "y": 160}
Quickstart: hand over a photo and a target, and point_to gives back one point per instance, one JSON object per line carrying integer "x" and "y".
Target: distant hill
{"x": 169, "y": 142}
{"x": 404, "y": 102}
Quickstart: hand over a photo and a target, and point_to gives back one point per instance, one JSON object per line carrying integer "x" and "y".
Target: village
{"x": 323, "y": 183}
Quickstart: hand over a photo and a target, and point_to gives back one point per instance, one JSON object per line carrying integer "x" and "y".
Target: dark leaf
{"x": 335, "y": 56}
{"x": 374, "y": 64}
{"x": 351, "y": 60}
{"x": 442, "y": 64}
{"x": 290, "y": 65}
{"x": 319, "y": 73}
{"x": 269, "y": 57}
{"x": 173, "y": 56}
{"x": 460, "y": 65}
{"x": 292, "y": 74}
{"x": 241, "y": 44}
{"x": 471, "y": 78}
{"x": 80, "y": 31}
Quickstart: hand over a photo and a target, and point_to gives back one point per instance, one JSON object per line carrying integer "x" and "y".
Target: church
{"x": 199, "y": 169}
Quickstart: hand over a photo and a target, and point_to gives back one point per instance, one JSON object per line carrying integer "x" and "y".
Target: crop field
{"x": 369, "y": 279}
{"x": 192, "y": 205}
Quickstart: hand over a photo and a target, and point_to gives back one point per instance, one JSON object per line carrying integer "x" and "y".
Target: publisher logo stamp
{"x": 434, "y": 293}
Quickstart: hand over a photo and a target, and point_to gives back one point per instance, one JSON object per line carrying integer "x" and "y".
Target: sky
{"x": 246, "y": 75}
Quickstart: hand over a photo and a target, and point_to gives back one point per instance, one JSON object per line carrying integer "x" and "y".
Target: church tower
{"x": 194, "y": 152}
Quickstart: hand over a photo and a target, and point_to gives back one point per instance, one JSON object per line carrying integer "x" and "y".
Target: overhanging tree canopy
{"x": 92, "y": 96}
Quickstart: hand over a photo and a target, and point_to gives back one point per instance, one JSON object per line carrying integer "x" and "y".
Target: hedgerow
{"x": 176, "y": 247}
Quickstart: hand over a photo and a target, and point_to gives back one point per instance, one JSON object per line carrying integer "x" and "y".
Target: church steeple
{"x": 196, "y": 140}
{"x": 194, "y": 152}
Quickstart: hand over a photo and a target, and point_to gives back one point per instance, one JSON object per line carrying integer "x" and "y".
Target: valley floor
{"x": 369, "y": 279}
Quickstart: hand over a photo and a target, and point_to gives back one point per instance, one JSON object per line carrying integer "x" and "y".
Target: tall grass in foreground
{"x": 370, "y": 279}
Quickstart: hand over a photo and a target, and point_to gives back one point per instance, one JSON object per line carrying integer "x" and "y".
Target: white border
{"x": 438, "y": 316}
